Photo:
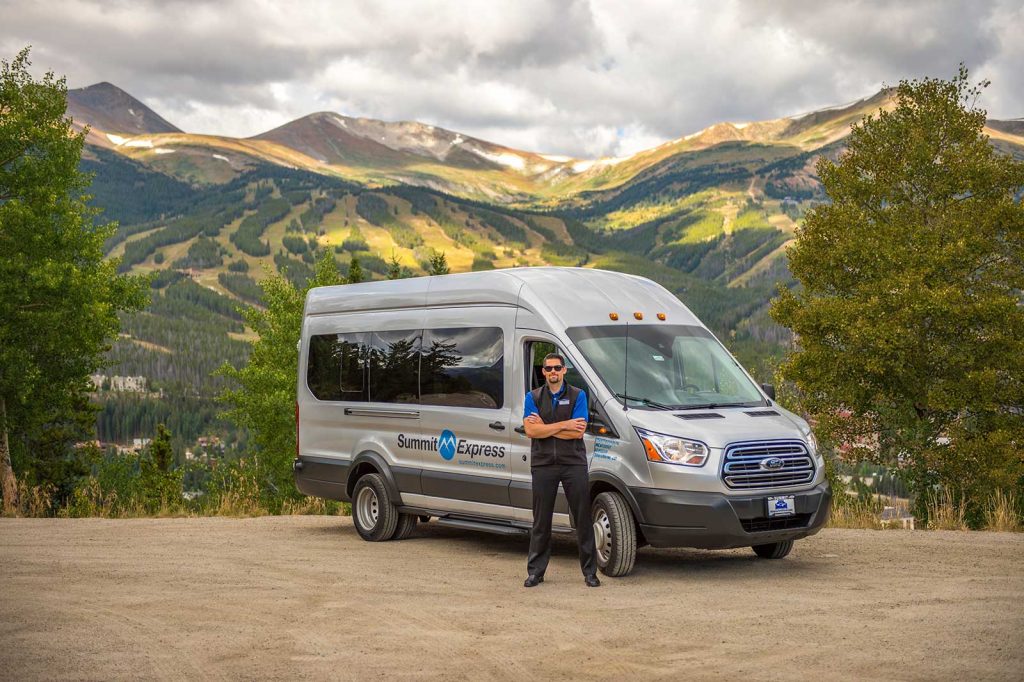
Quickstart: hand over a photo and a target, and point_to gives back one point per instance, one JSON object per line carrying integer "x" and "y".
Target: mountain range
{"x": 709, "y": 215}
{"x": 414, "y": 153}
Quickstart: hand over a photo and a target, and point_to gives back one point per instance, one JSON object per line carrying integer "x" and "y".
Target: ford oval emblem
{"x": 772, "y": 463}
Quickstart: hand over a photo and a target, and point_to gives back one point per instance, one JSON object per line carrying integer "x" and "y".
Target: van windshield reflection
{"x": 665, "y": 366}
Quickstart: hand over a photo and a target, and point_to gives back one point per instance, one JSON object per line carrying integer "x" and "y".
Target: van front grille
{"x": 748, "y": 465}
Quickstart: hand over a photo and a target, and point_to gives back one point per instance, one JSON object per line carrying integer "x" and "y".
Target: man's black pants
{"x": 574, "y": 479}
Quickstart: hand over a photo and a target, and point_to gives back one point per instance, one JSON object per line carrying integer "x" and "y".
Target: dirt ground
{"x": 305, "y": 598}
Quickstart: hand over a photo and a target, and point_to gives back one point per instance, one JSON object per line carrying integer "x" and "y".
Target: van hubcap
{"x": 367, "y": 508}
{"x": 603, "y": 537}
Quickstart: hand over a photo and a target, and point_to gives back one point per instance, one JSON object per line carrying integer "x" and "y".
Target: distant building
{"x": 119, "y": 383}
{"x": 897, "y": 516}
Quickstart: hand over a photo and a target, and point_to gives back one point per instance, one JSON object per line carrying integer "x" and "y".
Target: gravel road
{"x": 305, "y": 598}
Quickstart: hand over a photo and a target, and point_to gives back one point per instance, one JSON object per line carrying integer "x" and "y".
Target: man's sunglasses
{"x": 552, "y": 368}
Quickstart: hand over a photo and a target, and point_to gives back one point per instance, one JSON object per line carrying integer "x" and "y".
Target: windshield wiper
{"x": 645, "y": 401}
{"x": 710, "y": 406}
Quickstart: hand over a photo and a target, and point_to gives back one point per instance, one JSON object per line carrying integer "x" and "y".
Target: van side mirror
{"x": 769, "y": 390}
{"x": 597, "y": 426}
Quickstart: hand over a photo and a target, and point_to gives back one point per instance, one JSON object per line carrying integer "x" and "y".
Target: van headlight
{"x": 812, "y": 448}
{"x": 673, "y": 449}
{"x": 812, "y": 443}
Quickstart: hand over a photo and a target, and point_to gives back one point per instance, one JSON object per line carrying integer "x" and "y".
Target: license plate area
{"x": 781, "y": 505}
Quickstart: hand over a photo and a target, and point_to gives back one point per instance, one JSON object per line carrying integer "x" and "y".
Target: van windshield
{"x": 678, "y": 366}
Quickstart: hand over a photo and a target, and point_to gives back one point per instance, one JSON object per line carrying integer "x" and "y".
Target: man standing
{"x": 555, "y": 418}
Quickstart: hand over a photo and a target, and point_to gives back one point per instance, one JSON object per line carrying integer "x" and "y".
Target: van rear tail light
{"x": 296, "y": 429}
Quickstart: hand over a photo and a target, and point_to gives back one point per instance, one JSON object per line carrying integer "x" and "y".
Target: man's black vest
{"x": 551, "y": 450}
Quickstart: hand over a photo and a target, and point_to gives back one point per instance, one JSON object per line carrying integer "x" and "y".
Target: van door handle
{"x": 382, "y": 412}
{"x": 497, "y": 426}
{"x": 520, "y": 429}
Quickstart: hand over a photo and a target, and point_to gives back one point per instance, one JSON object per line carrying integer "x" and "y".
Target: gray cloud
{"x": 585, "y": 78}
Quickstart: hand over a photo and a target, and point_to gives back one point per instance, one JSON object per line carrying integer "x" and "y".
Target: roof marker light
{"x": 661, "y": 316}
{"x": 638, "y": 316}
{"x": 613, "y": 316}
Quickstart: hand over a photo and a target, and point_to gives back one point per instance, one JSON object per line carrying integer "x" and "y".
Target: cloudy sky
{"x": 581, "y": 77}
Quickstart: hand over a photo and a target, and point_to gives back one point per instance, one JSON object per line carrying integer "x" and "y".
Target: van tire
{"x": 406, "y": 525}
{"x": 614, "y": 534}
{"x": 775, "y": 550}
{"x": 373, "y": 514}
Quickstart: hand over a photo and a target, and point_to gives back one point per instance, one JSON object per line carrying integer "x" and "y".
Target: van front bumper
{"x": 676, "y": 518}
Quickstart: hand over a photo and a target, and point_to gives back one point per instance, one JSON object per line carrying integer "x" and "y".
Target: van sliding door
{"x": 464, "y": 405}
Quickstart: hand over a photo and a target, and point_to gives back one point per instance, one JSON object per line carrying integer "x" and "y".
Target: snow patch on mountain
{"x": 165, "y": 150}
{"x": 501, "y": 158}
{"x": 222, "y": 158}
{"x": 583, "y": 166}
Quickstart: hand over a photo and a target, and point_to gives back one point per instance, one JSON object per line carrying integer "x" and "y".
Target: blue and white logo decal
{"x": 781, "y": 504}
{"x": 447, "y": 444}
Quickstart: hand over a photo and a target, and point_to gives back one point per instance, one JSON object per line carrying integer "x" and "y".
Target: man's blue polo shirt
{"x": 579, "y": 410}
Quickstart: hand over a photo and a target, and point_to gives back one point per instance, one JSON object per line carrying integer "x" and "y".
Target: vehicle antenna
{"x": 625, "y": 378}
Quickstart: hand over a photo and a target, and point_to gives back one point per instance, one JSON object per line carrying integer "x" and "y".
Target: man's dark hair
{"x": 554, "y": 356}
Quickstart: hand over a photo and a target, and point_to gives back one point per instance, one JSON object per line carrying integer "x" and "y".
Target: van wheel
{"x": 406, "y": 525}
{"x": 614, "y": 534}
{"x": 374, "y": 516}
{"x": 775, "y": 550}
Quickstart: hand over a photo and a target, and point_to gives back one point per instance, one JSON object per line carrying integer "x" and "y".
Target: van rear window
{"x": 337, "y": 367}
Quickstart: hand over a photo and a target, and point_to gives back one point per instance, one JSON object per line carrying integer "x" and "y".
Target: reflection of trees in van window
{"x": 463, "y": 367}
{"x": 337, "y": 367}
{"x": 394, "y": 366}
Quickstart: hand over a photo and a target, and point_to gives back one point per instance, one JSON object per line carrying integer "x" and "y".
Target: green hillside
{"x": 709, "y": 216}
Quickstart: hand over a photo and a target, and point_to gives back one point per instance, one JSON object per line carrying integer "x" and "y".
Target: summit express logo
{"x": 448, "y": 445}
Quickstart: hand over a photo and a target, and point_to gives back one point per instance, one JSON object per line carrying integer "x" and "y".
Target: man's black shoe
{"x": 533, "y": 580}
{"x": 592, "y": 581}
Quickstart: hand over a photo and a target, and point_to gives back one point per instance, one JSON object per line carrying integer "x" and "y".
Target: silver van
{"x": 410, "y": 406}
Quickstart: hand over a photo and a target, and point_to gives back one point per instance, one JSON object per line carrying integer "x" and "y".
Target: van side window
{"x": 394, "y": 359}
{"x": 463, "y": 367}
{"x": 337, "y": 366}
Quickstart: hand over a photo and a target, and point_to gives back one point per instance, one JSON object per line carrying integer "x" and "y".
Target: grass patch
{"x": 1001, "y": 513}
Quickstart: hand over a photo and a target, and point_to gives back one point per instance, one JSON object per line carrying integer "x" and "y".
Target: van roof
{"x": 566, "y": 296}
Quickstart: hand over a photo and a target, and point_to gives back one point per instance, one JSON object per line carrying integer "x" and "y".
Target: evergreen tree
{"x": 438, "y": 264}
{"x": 909, "y": 321}
{"x": 355, "y": 271}
{"x": 395, "y": 268}
{"x": 59, "y": 298}
{"x": 161, "y": 485}
{"x": 160, "y": 449}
